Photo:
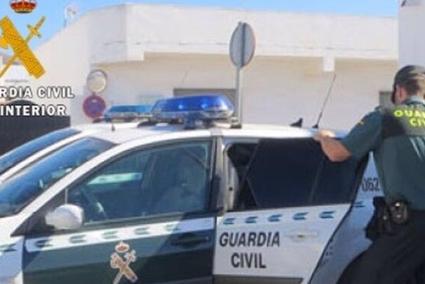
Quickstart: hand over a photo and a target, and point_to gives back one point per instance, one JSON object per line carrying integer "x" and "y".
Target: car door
{"x": 148, "y": 219}
{"x": 291, "y": 200}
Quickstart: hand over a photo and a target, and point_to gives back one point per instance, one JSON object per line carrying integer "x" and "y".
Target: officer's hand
{"x": 323, "y": 134}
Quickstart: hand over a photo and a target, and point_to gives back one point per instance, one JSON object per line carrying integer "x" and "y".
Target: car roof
{"x": 166, "y": 131}
{"x": 104, "y": 126}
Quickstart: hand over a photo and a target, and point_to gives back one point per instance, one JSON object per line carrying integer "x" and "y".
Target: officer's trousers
{"x": 395, "y": 258}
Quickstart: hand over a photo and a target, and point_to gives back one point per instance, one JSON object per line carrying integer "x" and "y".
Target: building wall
{"x": 412, "y": 42}
{"x": 275, "y": 90}
{"x": 289, "y": 90}
{"x": 208, "y": 30}
{"x": 149, "y": 50}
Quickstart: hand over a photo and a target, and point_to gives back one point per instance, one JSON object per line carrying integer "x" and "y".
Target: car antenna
{"x": 325, "y": 103}
{"x": 113, "y": 128}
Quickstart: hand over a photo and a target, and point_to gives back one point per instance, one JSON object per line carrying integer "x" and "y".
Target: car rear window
{"x": 295, "y": 172}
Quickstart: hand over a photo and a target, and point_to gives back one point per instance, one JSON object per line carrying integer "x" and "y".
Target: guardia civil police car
{"x": 184, "y": 200}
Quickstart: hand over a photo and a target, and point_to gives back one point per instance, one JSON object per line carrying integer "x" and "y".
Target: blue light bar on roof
{"x": 191, "y": 108}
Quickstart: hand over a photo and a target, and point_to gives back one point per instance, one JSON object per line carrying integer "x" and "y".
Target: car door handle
{"x": 303, "y": 235}
{"x": 188, "y": 240}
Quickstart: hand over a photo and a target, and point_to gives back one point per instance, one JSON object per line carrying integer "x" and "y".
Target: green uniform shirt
{"x": 400, "y": 157}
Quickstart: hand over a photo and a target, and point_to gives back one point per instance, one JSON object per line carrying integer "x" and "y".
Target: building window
{"x": 385, "y": 99}
{"x": 230, "y": 93}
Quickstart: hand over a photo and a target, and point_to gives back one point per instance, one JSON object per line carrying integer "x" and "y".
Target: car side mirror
{"x": 66, "y": 217}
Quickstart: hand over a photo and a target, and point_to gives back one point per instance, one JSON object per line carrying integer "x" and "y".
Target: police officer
{"x": 396, "y": 136}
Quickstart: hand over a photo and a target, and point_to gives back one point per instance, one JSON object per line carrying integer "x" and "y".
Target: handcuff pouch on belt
{"x": 386, "y": 218}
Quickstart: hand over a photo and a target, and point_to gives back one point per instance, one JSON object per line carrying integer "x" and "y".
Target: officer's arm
{"x": 364, "y": 137}
{"x": 333, "y": 149}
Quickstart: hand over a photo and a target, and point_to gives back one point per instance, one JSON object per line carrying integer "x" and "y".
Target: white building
{"x": 412, "y": 41}
{"x": 160, "y": 50}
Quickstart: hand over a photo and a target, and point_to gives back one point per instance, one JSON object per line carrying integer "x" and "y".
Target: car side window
{"x": 161, "y": 180}
{"x": 292, "y": 173}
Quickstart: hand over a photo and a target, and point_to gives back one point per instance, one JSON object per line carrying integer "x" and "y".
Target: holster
{"x": 380, "y": 223}
{"x": 400, "y": 212}
{"x": 386, "y": 218}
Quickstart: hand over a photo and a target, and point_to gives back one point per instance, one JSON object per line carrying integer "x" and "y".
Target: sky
{"x": 54, "y": 10}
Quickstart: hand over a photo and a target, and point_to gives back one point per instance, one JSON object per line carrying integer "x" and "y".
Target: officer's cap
{"x": 410, "y": 72}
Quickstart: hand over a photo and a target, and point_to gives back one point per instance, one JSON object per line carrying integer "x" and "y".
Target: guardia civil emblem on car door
{"x": 121, "y": 260}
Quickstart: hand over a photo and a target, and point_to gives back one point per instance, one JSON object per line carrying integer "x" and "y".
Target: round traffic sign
{"x": 242, "y": 45}
{"x": 94, "y": 106}
{"x": 96, "y": 81}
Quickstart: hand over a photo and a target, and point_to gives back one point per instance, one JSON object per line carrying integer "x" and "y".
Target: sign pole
{"x": 239, "y": 72}
{"x": 239, "y": 95}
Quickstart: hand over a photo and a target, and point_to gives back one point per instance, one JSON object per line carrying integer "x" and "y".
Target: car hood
{"x": 11, "y": 250}
{"x": 7, "y": 227}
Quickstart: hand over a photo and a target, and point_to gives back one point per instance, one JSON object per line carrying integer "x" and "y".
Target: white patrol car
{"x": 165, "y": 204}
{"x": 23, "y": 156}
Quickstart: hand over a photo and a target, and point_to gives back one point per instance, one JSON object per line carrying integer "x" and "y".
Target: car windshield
{"x": 21, "y": 189}
{"x": 22, "y": 152}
